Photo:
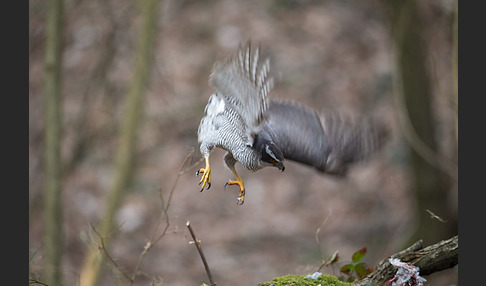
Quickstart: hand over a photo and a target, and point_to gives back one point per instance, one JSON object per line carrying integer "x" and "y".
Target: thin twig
{"x": 35, "y": 281}
{"x": 414, "y": 247}
{"x": 319, "y": 243}
{"x": 319, "y": 228}
{"x": 201, "y": 253}
{"x": 433, "y": 215}
{"x": 165, "y": 207}
{"x": 153, "y": 242}
{"x": 105, "y": 252}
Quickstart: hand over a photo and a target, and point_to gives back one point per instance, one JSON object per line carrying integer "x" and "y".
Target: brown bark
{"x": 434, "y": 258}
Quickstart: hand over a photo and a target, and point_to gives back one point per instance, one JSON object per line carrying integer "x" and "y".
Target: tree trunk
{"x": 124, "y": 157}
{"x": 52, "y": 192}
{"x": 428, "y": 181}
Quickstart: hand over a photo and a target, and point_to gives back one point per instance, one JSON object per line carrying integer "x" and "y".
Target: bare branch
{"x": 433, "y": 215}
{"x": 201, "y": 253}
{"x": 105, "y": 252}
{"x": 35, "y": 281}
{"x": 326, "y": 261}
{"x": 433, "y": 258}
{"x": 165, "y": 207}
{"x": 154, "y": 241}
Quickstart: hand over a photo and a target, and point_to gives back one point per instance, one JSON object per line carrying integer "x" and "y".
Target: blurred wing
{"x": 244, "y": 85}
{"x": 352, "y": 139}
{"x": 298, "y": 132}
{"x": 327, "y": 142}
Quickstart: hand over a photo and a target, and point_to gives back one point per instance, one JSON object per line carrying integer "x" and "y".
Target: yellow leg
{"x": 206, "y": 178}
{"x": 239, "y": 182}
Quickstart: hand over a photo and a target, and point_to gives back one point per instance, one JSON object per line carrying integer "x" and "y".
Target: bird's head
{"x": 272, "y": 155}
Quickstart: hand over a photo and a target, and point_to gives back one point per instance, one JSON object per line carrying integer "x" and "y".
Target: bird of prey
{"x": 258, "y": 132}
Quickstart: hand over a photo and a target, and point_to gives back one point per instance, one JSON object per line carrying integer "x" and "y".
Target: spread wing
{"x": 329, "y": 142}
{"x": 244, "y": 85}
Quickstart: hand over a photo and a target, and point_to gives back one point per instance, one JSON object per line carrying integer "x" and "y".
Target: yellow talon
{"x": 239, "y": 182}
{"x": 206, "y": 178}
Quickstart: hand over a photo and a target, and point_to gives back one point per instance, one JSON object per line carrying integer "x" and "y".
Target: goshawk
{"x": 258, "y": 132}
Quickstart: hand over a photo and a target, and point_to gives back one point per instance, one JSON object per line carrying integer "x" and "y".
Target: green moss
{"x": 300, "y": 280}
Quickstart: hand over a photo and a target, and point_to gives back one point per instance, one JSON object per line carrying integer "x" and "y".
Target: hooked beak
{"x": 280, "y": 166}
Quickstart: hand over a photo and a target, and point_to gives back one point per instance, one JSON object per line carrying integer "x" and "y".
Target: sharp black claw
{"x": 225, "y": 186}
{"x": 197, "y": 173}
{"x": 241, "y": 198}
{"x": 209, "y": 186}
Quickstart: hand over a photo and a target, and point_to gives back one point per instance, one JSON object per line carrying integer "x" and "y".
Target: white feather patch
{"x": 215, "y": 105}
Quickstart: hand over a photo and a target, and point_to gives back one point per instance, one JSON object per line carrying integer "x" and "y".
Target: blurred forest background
{"x": 116, "y": 92}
